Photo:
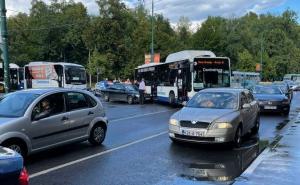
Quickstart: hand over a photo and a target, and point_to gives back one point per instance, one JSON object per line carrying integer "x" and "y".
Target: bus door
{"x": 183, "y": 80}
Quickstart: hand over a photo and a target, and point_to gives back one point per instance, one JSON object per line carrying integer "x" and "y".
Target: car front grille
{"x": 198, "y": 124}
{"x": 194, "y": 138}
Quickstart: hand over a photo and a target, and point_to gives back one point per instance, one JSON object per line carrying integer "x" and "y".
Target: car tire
{"x": 255, "y": 129}
{"x": 17, "y": 147}
{"x": 97, "y": 135}
{"x": 106, "y": 97}
{"x": 130, "y": 100}
{"x": 238, "y": 137}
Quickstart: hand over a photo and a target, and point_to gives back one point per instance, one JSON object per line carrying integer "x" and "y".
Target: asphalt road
{"x": 137, "y": 150}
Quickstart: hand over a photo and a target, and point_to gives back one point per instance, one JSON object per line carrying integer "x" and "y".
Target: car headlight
{"x": 286, "y": 102}
{"x": 137, "y": 95}
{"x": 174, "y": 122}
{"x": 223, "y": 125}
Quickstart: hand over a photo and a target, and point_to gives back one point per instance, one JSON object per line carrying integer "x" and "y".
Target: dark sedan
{"x": 121, "y": 92}
{"x": 271, "y": 99}
{"x": 12, "y": 171}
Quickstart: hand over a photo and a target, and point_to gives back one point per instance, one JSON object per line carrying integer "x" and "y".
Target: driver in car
{"x": 207, "y": 103}
{"x": 45, "y": 109}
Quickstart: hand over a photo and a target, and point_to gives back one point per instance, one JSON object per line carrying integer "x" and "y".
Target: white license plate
{"x": 270, "y": 107}
{"x": 198, "y": 172}
{"x": 190, "y": 132}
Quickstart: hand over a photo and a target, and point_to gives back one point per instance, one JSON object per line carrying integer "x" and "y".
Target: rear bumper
{"x": 279, "y": 108}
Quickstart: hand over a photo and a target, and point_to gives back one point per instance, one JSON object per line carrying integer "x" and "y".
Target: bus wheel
{"x": 172, "y": 98}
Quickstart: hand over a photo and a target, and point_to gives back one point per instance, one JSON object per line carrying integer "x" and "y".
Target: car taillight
{"x": 24, "y": 177}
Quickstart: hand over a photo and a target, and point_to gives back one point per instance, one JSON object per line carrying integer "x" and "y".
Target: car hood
{"x": 4, "y": 120}
{"x": 268, "y": 97}
{"x": 202, "y": 114}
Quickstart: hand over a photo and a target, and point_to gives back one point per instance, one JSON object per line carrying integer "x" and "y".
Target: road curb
{"x": 265, "y": 153}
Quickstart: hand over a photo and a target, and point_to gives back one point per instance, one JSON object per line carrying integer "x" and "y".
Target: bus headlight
{"x": 174, "y": 122}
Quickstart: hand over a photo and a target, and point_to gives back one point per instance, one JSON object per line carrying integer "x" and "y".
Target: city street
{"x": 137, "y": 150}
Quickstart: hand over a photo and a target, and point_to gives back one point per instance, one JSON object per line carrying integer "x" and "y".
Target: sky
{"x": 195, "y": 10}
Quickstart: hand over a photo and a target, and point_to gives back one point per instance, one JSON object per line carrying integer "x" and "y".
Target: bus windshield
{"x": 210, "y": 73}
{"x": 75, "y": 75}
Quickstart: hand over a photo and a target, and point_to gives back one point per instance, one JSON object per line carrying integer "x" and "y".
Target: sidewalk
{"x": 279, "y": 165}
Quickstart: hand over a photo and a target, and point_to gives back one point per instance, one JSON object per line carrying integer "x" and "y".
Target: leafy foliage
{"x": 118, "y": 38}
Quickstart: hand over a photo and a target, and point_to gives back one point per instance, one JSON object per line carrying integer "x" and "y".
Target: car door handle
{"x": 90, "y": 113}
{"x": 64, "y": 118}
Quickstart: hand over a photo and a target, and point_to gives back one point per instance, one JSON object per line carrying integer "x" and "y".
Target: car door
{"x": 122, "y": 93}
{"x": 254, "y": 108}
{"x": 245, "y": 112}
{"x": 113, "y": 92}
{"x": 80, "y": 113}
{"x": 49, "y": 128}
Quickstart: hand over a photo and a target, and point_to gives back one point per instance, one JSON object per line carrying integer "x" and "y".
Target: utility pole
{"x": 90, "y": 73}
{"x": 152, "y": 34}
{"x": 4, "y": 46}
{"x": 261, "y": 56}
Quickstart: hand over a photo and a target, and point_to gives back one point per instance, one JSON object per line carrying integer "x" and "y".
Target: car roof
{"x": 230, "y": 90}
{"x": 47, "y": 90}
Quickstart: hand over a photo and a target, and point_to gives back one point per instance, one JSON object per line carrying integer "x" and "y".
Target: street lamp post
{"x": 4, "y": 46}
{"x": 261, "y": 56}
{"x": 152, "y": 33}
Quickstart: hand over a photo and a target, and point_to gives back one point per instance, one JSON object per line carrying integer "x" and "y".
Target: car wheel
{"x": 97, "y": 135}
{"x": 255, "y": 129}
{"x": 16, "y": 146}
{"x": 238, "y": 137}
{"x": 130, "y": 100}
{"x": 106, "y": 97}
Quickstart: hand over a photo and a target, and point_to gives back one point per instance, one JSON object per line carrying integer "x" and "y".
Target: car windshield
{"x": 9, "y": 107}
{"x": 266, "y": 90}
{"x": 214, "y": 100}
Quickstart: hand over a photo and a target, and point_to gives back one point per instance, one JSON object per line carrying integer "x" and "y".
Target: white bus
{"x": 50, "y": 74}
{"x": 183, "y": 74}
{"x": 293, "y": 77}
{"x": 15, "y": 76}
{"x": 241, "y": 79}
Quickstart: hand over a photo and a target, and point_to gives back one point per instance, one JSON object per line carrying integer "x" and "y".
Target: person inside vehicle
{"x": 45, "y": 110}
{"x": 207, "y": 103}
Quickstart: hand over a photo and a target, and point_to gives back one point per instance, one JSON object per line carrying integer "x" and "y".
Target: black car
{"x": 271, "y": 99}
{"x": 121, "y": 92}
{"x": 12, "y": 171}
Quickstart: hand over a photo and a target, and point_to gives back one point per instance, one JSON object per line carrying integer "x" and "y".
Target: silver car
{"x": 216, "y": 116}
{"x": 38, "y": 119}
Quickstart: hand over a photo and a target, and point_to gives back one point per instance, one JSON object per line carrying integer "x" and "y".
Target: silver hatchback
{"x": 216, "y": 116}
{"x": 38, "y": 119}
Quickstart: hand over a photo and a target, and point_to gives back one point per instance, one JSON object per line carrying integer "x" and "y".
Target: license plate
{"x": 190, "y": 132}
{"x": 270, "y": 107}
{"x": 198, "y": 172}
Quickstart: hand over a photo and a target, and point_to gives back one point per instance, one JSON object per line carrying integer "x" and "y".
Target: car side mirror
{"x": 184, "y": 103}
{"x": 246, "y": 106}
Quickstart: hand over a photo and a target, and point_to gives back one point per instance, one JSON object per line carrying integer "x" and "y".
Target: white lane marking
{"x": 141, "y": 115}
{"x": 94, "y": 155}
